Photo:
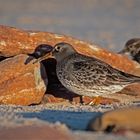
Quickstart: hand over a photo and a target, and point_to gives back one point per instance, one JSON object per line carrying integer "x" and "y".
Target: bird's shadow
{"x": 39, "y": 51}
{"x": 74, "y": 120}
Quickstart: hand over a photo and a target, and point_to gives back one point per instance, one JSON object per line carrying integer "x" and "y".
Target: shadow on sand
{"x": 74, "y": 120}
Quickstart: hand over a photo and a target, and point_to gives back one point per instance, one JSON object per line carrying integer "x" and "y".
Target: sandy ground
{"x": 72, "y": 117}
{"x": 108, "y": 23}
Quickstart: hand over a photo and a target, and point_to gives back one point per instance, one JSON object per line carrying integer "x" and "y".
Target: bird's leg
{"x": 98, "y": 100}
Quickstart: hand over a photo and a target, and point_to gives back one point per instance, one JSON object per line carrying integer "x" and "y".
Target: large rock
{"x": 15, "y": 41}
{"x": 21, "y": 84}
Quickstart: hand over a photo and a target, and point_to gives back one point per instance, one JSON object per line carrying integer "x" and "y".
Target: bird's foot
{"x": 98, "y": 100}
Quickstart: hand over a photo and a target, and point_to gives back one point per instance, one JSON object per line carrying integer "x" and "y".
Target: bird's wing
{"x": 97, "y": 72}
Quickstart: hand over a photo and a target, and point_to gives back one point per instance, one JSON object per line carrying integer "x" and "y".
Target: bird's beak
{"x": 122, "y": 52}
{"x": 48, "y": 55}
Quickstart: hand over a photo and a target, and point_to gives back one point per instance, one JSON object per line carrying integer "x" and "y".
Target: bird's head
{"x": 62, "y": 50}
{"x": 131, "y": 48}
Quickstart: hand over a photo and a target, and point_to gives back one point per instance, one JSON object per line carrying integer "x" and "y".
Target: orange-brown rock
{"x": 133, "y": 90}
{"x": 15, "y": 41}
{"x": 44, "y": 132}
{"x": 21, "y": 84}
{"x": 129, "y": 94}
{"x": 49, "y": 98}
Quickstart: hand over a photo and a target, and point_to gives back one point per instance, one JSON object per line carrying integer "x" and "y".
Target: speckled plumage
{"x": 88, "y": 76}
{"x": 132, "y": 49}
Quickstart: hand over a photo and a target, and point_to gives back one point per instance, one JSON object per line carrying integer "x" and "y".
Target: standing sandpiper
{"x": 87, "y": 76}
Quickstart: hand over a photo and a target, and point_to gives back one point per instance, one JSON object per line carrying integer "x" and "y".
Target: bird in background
{"x": 87, "y": 76}
{"x": 132, "y": 49}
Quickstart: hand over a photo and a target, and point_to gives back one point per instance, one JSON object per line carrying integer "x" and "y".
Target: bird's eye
{"x": 57, "y": 49}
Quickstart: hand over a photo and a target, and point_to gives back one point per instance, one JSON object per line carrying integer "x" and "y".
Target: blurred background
{"x": 109, "y": 23}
